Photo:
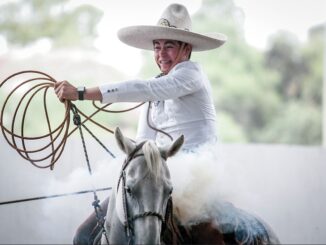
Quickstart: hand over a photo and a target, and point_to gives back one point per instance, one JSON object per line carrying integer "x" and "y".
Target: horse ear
{"x": 174, "y": 148}
{"x": 124, "y": 143}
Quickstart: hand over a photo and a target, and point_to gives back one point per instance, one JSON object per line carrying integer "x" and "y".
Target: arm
{"x": 183, "y": 80}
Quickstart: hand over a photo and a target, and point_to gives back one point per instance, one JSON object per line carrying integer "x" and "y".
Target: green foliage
{"x": 23, "y": 22}
{"x": 296, "y": 123}
{"x": 285, "y": 57}
{"x": 243, "y": 88}
{"x": 312, "y": 82}
{"x": 299, "y": 66}
{"x": 229, "y": 130}
{"x": 271, "y": 96}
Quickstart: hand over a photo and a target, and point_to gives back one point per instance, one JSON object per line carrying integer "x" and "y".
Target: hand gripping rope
{"x": 56, "y": 138}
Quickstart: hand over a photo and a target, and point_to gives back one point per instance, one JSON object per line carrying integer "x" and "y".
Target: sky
{"x": 265, "y": 17}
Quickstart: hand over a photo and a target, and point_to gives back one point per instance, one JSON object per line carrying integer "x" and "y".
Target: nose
{"x": 148, "y": 230}
{"x": 162, "y": 51}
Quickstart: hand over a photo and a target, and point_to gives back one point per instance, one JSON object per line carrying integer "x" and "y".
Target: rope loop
{"x": 56, "y": 137}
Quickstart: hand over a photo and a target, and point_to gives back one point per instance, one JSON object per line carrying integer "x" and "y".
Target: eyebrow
{"x": 167, "y": 42}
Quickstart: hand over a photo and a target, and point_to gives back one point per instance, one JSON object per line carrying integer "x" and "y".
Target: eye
{"x": 170, "y": 191}
{"x": 128, "y": 189}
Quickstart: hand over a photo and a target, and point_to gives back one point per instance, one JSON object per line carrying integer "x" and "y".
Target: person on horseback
{"x": 181, "y": 94}
{"x": 180, "y": 97}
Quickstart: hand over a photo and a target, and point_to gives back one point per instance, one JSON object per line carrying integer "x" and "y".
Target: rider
{"x": 181, "y": 95}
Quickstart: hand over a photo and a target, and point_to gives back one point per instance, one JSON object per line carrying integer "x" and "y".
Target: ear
{"x": 124, "y": 143}
{"x": 174, "y": 148}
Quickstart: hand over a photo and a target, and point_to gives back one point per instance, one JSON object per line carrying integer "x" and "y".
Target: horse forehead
{"x": 138, "y": 169}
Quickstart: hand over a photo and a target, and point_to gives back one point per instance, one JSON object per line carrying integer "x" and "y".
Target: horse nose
{"x": 147, "y": 230}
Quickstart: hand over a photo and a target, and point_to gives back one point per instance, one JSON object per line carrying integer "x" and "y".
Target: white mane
{"x": 152, "y": 157}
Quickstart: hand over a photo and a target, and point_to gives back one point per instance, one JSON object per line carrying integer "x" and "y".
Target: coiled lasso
{"x": 56, "y": 138}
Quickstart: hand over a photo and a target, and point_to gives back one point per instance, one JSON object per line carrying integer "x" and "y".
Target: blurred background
{"x": 267, "y": 82}
{"x": 267, "y": 79}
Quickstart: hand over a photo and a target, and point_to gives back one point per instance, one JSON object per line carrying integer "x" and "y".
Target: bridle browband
{"x": 122, "y": 181}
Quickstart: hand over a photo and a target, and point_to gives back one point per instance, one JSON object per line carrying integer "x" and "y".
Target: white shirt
{"x": 182, "y": 104}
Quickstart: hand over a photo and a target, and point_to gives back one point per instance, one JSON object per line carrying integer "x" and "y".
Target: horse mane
{"x": 152, "y": 157}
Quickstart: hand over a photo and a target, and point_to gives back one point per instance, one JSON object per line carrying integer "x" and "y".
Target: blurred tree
{"x": 313, "y": 79}
{"x": 285, "y": 57}
{"x": 298, "y": 120}
{"x": 243, "y": 88}
{"x": 296, "y": 123}
{"x": 25, "y": 21}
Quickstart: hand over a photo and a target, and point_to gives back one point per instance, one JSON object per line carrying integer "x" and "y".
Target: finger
{"x": 58, "y": 87}
{"x": 57, "y": 84}
{"x": 57, "y": 90}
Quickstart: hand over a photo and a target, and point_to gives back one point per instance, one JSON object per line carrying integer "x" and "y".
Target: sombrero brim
{"x": 142, "y": 37}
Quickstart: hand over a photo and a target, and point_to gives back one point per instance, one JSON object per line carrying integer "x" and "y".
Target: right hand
{"x": 65, "y": 91}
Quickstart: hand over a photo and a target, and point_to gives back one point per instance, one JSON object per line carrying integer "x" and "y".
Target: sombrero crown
{"x": 174, "y": 24}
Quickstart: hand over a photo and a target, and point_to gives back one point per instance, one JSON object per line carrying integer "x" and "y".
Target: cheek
{"x": 173, "y": 55}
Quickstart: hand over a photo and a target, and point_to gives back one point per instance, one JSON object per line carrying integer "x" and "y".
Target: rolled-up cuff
{"x": 109, "y": 93}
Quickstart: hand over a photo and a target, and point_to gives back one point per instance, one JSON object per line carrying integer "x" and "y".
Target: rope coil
{"x": 56, "y": 138}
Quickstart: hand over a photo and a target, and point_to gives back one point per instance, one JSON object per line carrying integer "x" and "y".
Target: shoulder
{"x": 188, "y": 69}
{"x": 187, "y": 65}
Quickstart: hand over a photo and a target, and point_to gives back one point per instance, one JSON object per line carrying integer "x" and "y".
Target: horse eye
{"x": 128, "y": 189}
{"x": 170, "y": 191}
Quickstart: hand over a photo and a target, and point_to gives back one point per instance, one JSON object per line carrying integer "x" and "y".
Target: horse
{"x": 140, "y": 210}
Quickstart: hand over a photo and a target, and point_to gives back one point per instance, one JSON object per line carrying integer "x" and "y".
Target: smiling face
{"x": 168, "y": 53}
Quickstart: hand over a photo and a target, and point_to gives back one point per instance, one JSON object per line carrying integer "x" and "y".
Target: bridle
{"x": 129, "y": 220}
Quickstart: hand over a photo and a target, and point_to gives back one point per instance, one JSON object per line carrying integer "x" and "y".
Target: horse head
{"x": 138, "y": 209}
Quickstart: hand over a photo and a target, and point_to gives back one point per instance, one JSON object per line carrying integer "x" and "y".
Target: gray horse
{"x": 138, "y": 205}
{"x": 140, "y": 210}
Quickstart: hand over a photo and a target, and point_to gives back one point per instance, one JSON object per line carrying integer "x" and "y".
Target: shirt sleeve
{"x": 182, "y": 80}
{"x": 144, "y": 132}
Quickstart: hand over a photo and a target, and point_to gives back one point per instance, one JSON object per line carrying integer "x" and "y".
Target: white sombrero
{"x": 174, "y": 24}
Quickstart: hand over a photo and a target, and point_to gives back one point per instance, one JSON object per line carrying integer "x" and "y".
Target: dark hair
{"x": 189, "y": 56}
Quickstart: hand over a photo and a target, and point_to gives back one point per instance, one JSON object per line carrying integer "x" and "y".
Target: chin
{"x": 165, "y": 71}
